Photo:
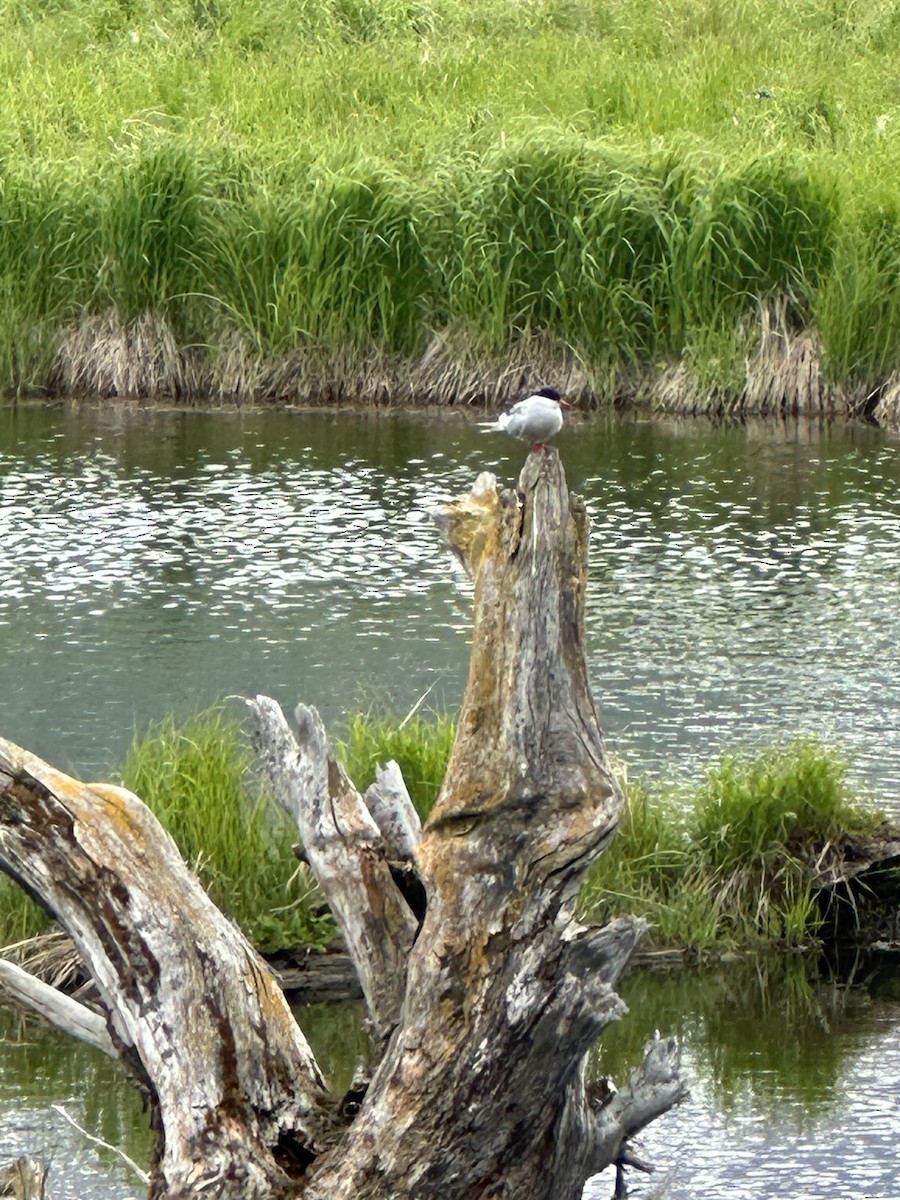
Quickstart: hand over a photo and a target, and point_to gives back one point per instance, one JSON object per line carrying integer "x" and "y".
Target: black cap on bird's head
{"x": 552, "y": 394}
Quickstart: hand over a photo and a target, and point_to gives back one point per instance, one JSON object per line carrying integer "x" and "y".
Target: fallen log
{"x": 316, "y": 976}
{"x": 192, "y": 1010}
{"x": 484, "y": 1000}
{"x": 56, "y": 1007}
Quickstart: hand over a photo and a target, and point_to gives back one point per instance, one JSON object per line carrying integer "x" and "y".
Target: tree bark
{"x": 484, "y": 1000}
{"x": 345, "y": 850}
{"x": 192, "y": 1010}
{"x": 23, "y": 1179}
{"x": 481, "y": 1092}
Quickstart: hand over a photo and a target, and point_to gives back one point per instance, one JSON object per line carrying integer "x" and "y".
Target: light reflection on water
{"x": 793, "y": 1087}
{"x": 744, "y": 582}
{"x": 744, "y": 585}
{"x": 744, "y": 1153}
{"x": 793, "y": 1082}
{"x": 40, "y": 1068}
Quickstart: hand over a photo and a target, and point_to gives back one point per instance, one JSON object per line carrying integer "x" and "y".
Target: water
{"x": 744, "y": 586}
{"x": 42, "y": 1071}
{"x": 793, "y": 1083}
{"x": 744, "y": 580}
{"x": 40, "y": 1068}
{"x": 792, "y": 1079}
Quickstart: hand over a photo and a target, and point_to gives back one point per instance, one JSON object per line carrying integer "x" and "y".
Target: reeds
{"x": 268, "y": 281}
{"x": 731, "y": 863}
{"x": 197, "y": 778}
{"x": 304, "y": 200}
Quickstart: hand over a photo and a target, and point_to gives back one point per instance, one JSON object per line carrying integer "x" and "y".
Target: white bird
{"x": 535, "y": 419}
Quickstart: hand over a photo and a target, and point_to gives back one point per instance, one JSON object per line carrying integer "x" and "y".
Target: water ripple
{"x": 740, "y": 588}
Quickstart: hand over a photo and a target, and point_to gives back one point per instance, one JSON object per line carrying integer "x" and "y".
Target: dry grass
{"x": 52, "y": 958}
{"x": 887, "y": 410}
{"x": 785, "y": 376}
{"x": 105, "y": 357}
{"x": 773, "y": 368}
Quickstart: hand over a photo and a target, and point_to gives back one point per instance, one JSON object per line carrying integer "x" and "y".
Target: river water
{"x": 743, "y": 587}
{"x": 793, "y": 1076}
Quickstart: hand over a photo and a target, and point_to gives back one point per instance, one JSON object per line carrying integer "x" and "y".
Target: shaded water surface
{"x": 744, "y": 581}
{"x": 793, "y": 1081}
{"x": 793, "y": 1087}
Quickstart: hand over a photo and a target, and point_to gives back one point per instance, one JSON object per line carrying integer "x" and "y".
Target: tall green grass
{"x": 420, "y": 745}
{"x": 734, "y": 862}
{"x": 624, "y": 178}
{"x": 318, "y": 257}
{"x": 731, "y": 863}
{"x": 622, "y": 257}
{"x": 197, "y": 778}
{"x": 857, "y": 307}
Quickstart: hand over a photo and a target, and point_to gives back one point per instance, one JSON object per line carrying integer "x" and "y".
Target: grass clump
{"x": 731, "y": 864}
{"x": 651, "y": 871}
{"x": 735, "y": 863}
{"x": 197, "y": 779}
{"x": 419, "y": 745}
{"x": 789, "y": 799}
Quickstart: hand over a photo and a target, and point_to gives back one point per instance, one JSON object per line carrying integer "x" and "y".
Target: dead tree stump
{"x": 483, "y": 1013}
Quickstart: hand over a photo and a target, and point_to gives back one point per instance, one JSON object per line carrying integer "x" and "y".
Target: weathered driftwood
{"x": 480, "y": 1092}
{"x": 344, "y": 847}
{"x": 387, "y": 799}
{"x": 193, "y": 1010}
{"x": 316, "y": 976}
{"x": 59, "y": 1009}
{"x": 484, "y": 1003}
{"x": 23, "y": 1179}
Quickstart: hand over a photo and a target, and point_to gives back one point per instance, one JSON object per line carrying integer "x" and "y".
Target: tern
{"x": 535, "y": 419}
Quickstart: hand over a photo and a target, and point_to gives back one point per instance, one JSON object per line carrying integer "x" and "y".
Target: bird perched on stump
{"x": 535, "y": 419}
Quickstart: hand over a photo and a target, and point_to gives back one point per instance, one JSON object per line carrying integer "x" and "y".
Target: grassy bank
{"x": 732, "y": 862}
{"x": 197, "y": 778}
{"x": 441, "y": 201}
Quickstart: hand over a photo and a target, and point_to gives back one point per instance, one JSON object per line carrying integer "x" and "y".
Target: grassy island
{"x": 691, "y": 204}
{"x": 734, "y": 862}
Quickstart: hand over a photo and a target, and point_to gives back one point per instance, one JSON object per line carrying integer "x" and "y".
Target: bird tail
{"x": 493, "y": 426}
